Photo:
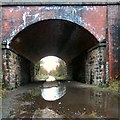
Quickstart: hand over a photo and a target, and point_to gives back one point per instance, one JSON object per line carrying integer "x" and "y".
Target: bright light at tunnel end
{"x": 50, "y": 63}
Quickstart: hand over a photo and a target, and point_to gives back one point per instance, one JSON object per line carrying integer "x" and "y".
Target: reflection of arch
{"x": 59, "y": 38}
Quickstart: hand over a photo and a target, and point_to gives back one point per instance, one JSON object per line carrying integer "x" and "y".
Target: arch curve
{"x": 53, "y": 37}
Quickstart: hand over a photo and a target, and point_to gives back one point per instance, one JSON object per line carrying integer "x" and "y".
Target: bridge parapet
{"x": 39, "y": 2}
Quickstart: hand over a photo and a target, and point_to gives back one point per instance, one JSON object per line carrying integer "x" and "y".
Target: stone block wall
{"x": 16, "y": 70}
{"x": 10, "y": 69}
{"x": 95, "y": 65}
{"x": 90, "y": 67}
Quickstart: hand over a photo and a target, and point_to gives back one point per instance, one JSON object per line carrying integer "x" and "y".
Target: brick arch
{"x": 19, "y": 17}
{"x": 53, "y": 37}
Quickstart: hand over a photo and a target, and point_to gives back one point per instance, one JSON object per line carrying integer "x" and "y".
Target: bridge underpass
{"x": 76, "y": 42}
{"x": 60, "y": 38}
{"x": 101, "y": 61}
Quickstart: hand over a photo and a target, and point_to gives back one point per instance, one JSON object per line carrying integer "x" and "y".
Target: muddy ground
{"x": 60, "y": 100}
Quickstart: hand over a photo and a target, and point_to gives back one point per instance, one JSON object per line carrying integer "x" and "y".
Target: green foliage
{"x": 40, "y": 72}
{"x": 1, "y": 84}
{"x": 59, "y": 73}
{"x": 114, "y": 84}
{"x": 37, "y": 68}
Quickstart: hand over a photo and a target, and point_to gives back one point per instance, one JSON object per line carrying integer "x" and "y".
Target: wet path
{"x": 67, "y": 100}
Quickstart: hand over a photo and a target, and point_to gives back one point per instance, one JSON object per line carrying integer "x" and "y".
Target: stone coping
{"x": 103, "y": 44}
{"x": 60, "y": 2}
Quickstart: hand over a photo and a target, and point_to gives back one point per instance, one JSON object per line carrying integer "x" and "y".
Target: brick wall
{"x": 114, "y": 40}
{"x": 16, "y": 18}
{"x": 16, "y": 70}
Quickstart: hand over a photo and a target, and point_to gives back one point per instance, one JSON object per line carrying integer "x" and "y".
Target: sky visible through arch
{"x": 50, "y": 63}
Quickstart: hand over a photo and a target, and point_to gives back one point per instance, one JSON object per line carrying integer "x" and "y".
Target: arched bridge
{"x": 59, "y": 38}
{"x": 84, "y": 36}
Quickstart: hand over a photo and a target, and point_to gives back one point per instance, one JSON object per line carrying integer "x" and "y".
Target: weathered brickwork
{"x": 15, "y": 69}
{"x": 16, "y": 18}
{"x": 114, "y": 40}
{"x": 11, "y": 69}
{"x": 95, "y": 65}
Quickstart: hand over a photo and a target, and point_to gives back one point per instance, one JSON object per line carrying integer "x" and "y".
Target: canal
{"x": 60, "y": 99}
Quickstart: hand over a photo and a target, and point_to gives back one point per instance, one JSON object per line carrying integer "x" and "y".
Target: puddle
{"x": 52, "y": 91}
{"x": 65, "y": 100}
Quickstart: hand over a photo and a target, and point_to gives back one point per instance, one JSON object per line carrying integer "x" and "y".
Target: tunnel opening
{"x": 55, "y": 37}
{"x": 50, "y": 68}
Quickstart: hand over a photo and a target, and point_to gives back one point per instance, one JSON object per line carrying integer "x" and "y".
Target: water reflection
{"x": 53, "y": 90}
{"x": 79, "y": 101}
